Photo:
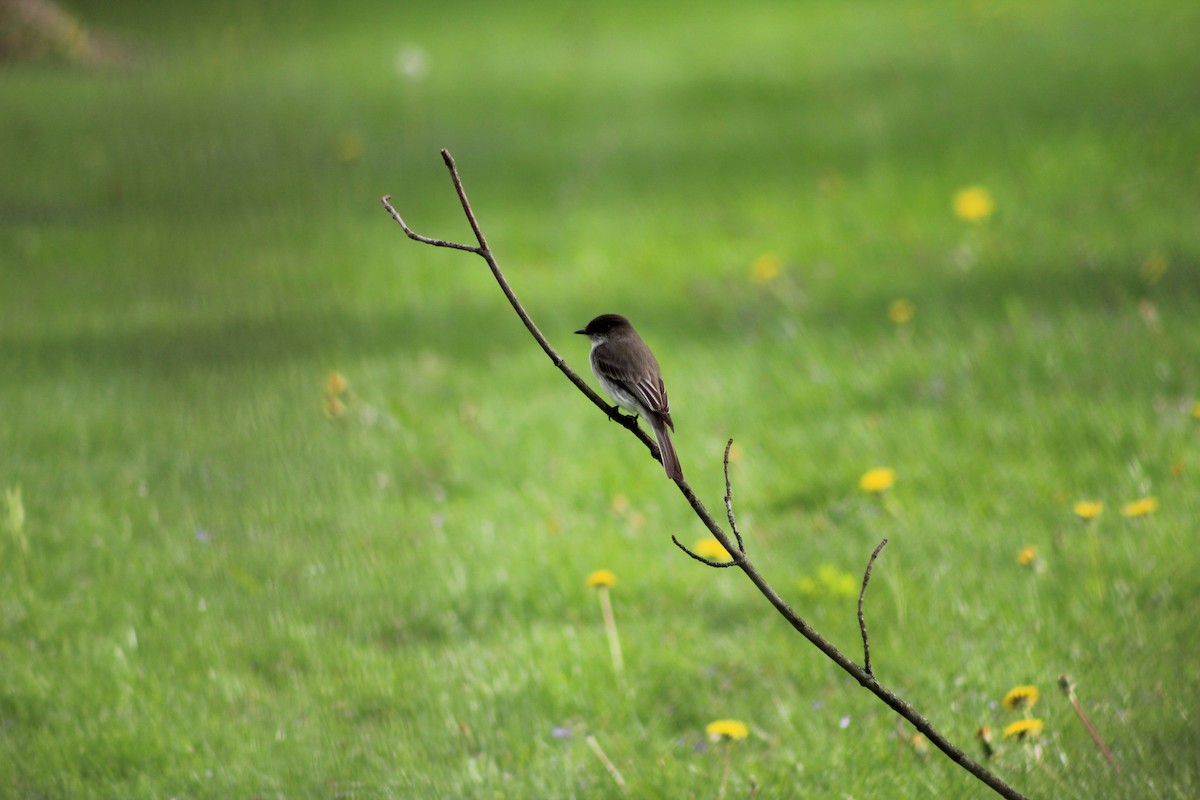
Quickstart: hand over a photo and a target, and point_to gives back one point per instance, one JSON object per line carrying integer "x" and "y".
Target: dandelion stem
{"x": 610, "y": 628}
{"x": 15, "y": 513}
{"x": 608, "y": 765}
{"x": 725, "y": 770}
{"x": 1097, "y": 581}
{"x": 890, "y": 506}
{"x": 1068, "y": 688}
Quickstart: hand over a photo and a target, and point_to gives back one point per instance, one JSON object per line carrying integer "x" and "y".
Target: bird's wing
{"x": 648, "y": 390}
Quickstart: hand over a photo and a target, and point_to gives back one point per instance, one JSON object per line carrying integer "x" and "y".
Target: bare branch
{"x": 862, "y": 622}
{"x": 729, "y": 500}
{"x": 737, "y": 552}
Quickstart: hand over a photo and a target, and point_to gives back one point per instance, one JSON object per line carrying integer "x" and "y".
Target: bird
{"x": 629, "y": 373}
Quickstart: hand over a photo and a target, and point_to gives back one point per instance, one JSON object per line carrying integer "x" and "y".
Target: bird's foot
{"x": 614, "y": 414}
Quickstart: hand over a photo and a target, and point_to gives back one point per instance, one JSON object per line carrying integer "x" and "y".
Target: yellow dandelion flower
{"x": 1088, "y": 509}
{"x": 984, "y": 736}
{"x": 901, "y": 311}
{"x": 1027, "y": 555}
{"x": 845, "y": 586}
{"x": 1023, "y": 728}
{"x": 973, "y": 204}
{"x": 837, "y": 583}
{"x": 349, "y": 147}
{"x": 726, "y": 729}
{"x": 829, "y": 181}
{"x": 711, "y": 548}
{"x": 877, "y": 480}
{"x": 1140, "y": 508}
{"x": 1020, "y": 697}
{"x": 1149, "y": 312}
{"x": 920, "y": 744}
{"x": 1196, "y": 410}
{"x": 601, "y": 578}
{"x": 335, "y": 384}
{"x": 765, "y": 268}
{"x": 1154, "y": 267}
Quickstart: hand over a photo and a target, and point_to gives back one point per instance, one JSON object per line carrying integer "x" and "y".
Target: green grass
{"x": 217, "y": 590}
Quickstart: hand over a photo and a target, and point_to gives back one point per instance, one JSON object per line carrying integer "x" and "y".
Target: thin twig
{"x": 700, "y": 558}
{"x": 729, "y": 500}
{"x": 462, "y": 197}
{"x": 387, "y": 203}
{"x": 864, "y": 678}
{"x": 862, "y": 622}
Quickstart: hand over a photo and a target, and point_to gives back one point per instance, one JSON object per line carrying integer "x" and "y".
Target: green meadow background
{"x": 220, "y": 578}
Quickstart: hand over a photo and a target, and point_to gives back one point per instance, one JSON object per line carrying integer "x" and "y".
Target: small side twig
{"x": 416, "y": 237}
{"x": 862, "y": 621}
{"x": 735, "y": 558}
{"x": 729, "y": 500}
{"x": 700, "y": 558}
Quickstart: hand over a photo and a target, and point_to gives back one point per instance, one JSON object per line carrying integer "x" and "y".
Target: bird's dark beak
{"x": 584, "y": 331}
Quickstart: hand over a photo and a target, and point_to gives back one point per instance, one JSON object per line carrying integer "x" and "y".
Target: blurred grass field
{"x": 213, "y": 587}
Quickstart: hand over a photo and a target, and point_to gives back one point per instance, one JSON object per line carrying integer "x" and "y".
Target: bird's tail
{"x": 666, "y": 451}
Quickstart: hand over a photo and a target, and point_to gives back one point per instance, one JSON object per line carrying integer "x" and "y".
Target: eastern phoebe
{"x": 629, "y": 373}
